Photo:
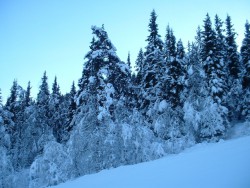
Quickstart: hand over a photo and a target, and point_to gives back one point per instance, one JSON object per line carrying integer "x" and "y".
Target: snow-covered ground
{"x": 225, "y": 164}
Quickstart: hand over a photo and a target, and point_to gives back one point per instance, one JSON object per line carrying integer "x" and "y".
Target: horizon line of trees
{"x": 176, "y": 98}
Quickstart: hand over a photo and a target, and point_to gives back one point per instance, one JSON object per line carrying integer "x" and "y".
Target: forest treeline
{"x": 176, "y": 97}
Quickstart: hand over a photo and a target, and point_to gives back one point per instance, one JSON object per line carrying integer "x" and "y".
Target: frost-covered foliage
{"x": 245, "y": 53}
{"x": 53, "y": 167}
{"x": 152, "y": 68}
{"x": 5, "y": 160}
{"x": 111, "y": 144}
{"x": 170, "y": 126}
{"x": 207, "y": 122}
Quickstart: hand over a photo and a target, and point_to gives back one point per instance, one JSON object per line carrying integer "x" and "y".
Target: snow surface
{"x": 225, "y": 164}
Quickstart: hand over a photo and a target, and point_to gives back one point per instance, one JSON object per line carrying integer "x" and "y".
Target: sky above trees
{"x": 55, "y": 35}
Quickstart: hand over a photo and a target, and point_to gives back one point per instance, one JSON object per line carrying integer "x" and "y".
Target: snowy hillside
{"x": 224, "y": 165}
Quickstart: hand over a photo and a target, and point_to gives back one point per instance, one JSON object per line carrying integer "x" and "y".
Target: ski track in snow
{"x": 225, "y": 164}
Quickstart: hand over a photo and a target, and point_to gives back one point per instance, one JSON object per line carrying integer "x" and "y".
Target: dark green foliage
{"x": 170, "y": 44}
{"x": 232, "y": 54}
{"x": 175, "y": 83}
{"x": 1, "y": 98}
{"x": 245, "y": 54}
{"x": 153, "y": 67}
{"x": 10, "y": 104}
{"x": 139, "y": 67}
{"x": 180, "y": 52}
{"x": 43, "y": 94}
{"x": 212, "y": 62}
{"x": 154, "y": 41}
{"x": 129, "y": 62}
{"x": 208, "y": 44}
{"x": 220, "y": 39}
{"x": 72, "y": 106}
{"x": 27, "y": 96}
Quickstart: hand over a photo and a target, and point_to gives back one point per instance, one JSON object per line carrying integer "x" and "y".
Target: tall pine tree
{"x": 213, "y": 69}
{"x": 245, "y": 54}
{"x": 153, "y": 68}
{"x": 232, "y": 54}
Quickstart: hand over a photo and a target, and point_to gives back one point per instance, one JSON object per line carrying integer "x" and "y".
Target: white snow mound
{"x": 224, "y": 164}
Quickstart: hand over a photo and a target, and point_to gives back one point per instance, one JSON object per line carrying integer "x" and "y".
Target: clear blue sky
{"x": 54, "y": 35}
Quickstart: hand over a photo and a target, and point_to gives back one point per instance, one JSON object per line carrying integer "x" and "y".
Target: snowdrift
{"x": 225, "y": 164}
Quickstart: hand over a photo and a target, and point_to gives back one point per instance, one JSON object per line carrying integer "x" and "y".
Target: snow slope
{"x": 218, "y": 165}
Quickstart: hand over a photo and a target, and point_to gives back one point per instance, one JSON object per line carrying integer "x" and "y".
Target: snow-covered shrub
{"x": 171, "y": 128}
{"x": 6, "y": 168}
{"x": 206, "y": 119}
{"x": 20, "y": 178}
{"x": 53, "y": 167}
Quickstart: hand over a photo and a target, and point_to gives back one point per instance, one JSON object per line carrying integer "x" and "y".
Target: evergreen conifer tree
{"x": 43, "y": 94}
{"x": 11, "y": 101}
{"x": 71, "y": 111}
{"x": 54, "y": 111}
{"x": 245, "y": 54}
{"x": 153, "y": 68}
{"x": 129, "y": 62}
{"x": 72, "y": 105}
{"x": 27, "y": 96}
{"x": 139, "y": 67}
{"x": 169, "y": 45}
{"x": 214, "y": 72}
{"x": 213, "y": 67}
{"x": 234, "y": 67}
{"x": 1, "y": 100}
{"x": 180, "y": 53}
{"x": 220, "y": 39}
{"x": 232, "y": 54}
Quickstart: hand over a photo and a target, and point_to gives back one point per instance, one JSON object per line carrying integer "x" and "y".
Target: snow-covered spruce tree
{"x": 139, "y": 68}
{"x": 153, "y": 69}
{"x": 63, "y": 118}
{"x": 220, "y": 54}
{"x": 41, "y": 130}
{"x": 198, "y": 102}
{"x": 214, "y": 75}
{"x": 196, "y": 88}
{"x": 174, "y": 76}
{"x": 54, "y": 109}
{"x": 169, "y": 45}
{"x": 71, "y": 110}
{"x": 211, "y": 62}
{"x": 16, "y": 106}
{"x": 103, "y": 84}
{"x": 11, "y": 104}
{"x": 139, "y": 65}
{"x": 53, "y": 165}
{"x": 180, "y": 52}
{"x": 234, "y": 72}
{"x": 169, "y": 125}
{"x": 129, "y": 63}
{"x": 232, "y": 54}
{"x": 245, "y": 54}
{"x": 5, "y": 145}
{"x": 5, "y": 159}
{"x": 130, "y": 98}
{"x": 28, "y": 99}
{"x": 1, "y": 100}
{"x": 20, "y": 157}
{"x": 245, "y": 49}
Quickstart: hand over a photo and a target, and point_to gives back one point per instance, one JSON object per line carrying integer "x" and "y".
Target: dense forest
{"x": 175, "y": 98}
